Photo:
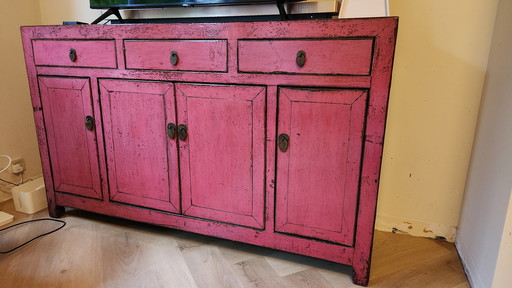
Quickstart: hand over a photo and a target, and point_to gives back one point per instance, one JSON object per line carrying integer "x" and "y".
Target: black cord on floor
{"x": 40, "y": 236}
{"x": 9, "y": 182}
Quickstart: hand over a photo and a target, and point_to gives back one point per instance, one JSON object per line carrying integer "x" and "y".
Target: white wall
{"x": 502, "y": 276}
{"x": 489, "y": 182}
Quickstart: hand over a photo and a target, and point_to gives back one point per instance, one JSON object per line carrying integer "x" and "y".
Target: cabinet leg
{"x": 55, "y": 211}
{"x": 361, "y": 274}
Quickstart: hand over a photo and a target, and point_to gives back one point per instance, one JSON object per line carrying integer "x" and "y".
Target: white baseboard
{"x": 415, "y": 227}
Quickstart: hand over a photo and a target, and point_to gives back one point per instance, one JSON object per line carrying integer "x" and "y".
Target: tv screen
{"x": 133, "y": 4}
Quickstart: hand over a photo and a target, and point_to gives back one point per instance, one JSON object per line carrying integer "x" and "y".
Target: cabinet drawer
{"x": 75, "y": 53}
{"x": 175, "y": 55}
{"x": 343, "y": 56}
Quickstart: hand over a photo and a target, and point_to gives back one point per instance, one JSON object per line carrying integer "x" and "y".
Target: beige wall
{"x": 440, "y": 64}
{"x": 54, "y": 12}
{"x": 17, "y": 130}
{"x": 484, "y": 235}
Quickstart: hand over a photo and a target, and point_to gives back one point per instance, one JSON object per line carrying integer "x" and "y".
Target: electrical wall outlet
{"x": 17, "y": 165}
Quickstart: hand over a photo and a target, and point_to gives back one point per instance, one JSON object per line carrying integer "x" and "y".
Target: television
{"x": 138, "y": 4}
{"x": 114, "y": 6}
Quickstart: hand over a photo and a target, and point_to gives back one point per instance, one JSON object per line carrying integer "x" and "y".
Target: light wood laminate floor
{"x": 99, "y": 251}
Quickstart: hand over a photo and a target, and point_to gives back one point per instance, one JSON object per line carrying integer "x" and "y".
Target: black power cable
{"x": 9, "y": 182}
{"x": 37, "y": 237}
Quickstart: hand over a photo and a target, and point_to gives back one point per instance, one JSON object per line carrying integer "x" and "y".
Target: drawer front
{"x": 340, "y": 57}
{"x": 75, "y": 53}
{"x": 174, "y": 55}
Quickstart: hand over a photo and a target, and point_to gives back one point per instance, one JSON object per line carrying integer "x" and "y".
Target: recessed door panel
{"x": 222, "y": 156}
{"x": 142, "y": 158}
{"x": 67, "y": 110}
{"x": 318, "y": 172}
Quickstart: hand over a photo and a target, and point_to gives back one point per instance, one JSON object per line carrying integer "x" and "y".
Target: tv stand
{"x": 282, "y": 11}
{"x": 111, "y": 11}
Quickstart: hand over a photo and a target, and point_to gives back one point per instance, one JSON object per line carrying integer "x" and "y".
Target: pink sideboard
{"x": 268, "y": 133}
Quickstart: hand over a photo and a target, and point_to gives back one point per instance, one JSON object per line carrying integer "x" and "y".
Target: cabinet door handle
{"x": 72, "y": 55}
{"x": 284, "y": 142}
{"x": 174, "y": 58}
{"x": 89, "y": 123}
{"x": 301, "y": 58}
{"x": 182, "y": 132}
{"x": 171, "y": 130}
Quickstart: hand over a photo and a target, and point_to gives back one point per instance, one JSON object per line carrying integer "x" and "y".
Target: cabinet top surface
{"x": 360, "y": 27}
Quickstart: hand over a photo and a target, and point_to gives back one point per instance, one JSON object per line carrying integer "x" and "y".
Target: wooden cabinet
{"x": 268, "y": 133}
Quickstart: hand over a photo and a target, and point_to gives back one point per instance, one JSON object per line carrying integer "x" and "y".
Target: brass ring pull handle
{"x": 89, "y": 123}
{"x": 301, "y": 58}
{"x": 283, "y": 142}
{"x": 182, "y": 132}
{"x": 171, "y": 130}
{"x": 174, "y": 58}
{"x": 72, "y": 55}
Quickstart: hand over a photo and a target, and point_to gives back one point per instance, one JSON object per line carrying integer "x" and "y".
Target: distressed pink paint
{"x": 99, "y": 54}
{"x": 322, "y": 56}
{"x": 222, "y": 159}
{"x": 317, "y": 177}
{"x": 142, "y": 160}
{"x": 191, "y": 55}
{"x": 236, "y": 86}
{"x": 73, "y": 150}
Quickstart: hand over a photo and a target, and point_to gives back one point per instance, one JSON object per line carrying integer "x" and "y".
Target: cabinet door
{"x": 72, "y": 146}
{"x": 222, "y": 156}
{"x": 141, "y": 158}
{"x": 318, "y": 173}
